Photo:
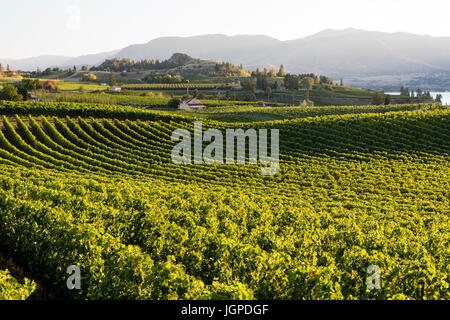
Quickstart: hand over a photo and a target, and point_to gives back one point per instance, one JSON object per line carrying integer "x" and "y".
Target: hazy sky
{"x": 75, "y": 27}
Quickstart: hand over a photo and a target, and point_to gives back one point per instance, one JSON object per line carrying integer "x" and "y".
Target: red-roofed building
{"x": 32, "y": 97}
{"x": 190, "y": 103}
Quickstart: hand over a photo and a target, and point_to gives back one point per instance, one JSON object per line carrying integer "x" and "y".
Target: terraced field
{"x": 94, "y": 186}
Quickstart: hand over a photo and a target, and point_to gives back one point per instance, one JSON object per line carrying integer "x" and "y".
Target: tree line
{"x": 268, "y": 80}
{"x": 19, "y": 91}
{"x": 419, "y": 93}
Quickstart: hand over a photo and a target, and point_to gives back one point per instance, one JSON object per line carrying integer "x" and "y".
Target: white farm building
{"x": 190, "y": 103}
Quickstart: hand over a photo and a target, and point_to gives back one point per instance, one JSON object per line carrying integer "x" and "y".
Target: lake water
{"x": 445, "y": 96}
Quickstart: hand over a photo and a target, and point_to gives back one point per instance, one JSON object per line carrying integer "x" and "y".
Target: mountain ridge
{"x": 337, "y": 53}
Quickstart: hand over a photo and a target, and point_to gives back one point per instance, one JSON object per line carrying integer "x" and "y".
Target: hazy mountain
{"x": 30, "y": 64}
{"x": 90, "y": 59}
{"x": 348, "y": 53}
{"x": 338, "y": 53}
{"x": 356, "y": 52}
{"x": 333, "y": 33}
{"x": 237, "y": 49}
{"x": 43, "y": 62}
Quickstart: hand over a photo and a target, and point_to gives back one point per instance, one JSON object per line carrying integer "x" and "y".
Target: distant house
{"x": 32, "y": 97}
{"x": 190, "y": 103}
{"x": 115, "y": 89}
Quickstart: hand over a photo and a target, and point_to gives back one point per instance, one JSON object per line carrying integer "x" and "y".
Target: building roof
{"x": 191, "y": 102}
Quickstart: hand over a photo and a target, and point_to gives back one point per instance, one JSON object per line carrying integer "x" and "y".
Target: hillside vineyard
{"x": 94, "y": 186}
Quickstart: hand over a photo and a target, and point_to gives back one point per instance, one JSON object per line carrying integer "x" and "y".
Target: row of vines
{"x": 94, "y": 186}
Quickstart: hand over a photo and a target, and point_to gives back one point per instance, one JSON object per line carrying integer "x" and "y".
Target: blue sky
{"x": 37, "y": 27}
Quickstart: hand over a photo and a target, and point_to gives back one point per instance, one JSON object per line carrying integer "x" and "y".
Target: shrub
{"x": 174, "y": 102}
{"x": 11, "y": 289}
{"x": 10, "y": 93}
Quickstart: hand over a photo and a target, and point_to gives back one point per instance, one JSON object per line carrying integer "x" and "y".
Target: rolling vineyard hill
{"x": 94, "y": 186}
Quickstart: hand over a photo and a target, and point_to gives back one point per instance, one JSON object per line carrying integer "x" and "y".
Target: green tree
{"x": 325, "y": 80}
{"x": 112, "y": 79}
{"x": 174, "y": 102}
{"x": 37, "y": 84}
{"x": 23, "y": 92}
{"x": 262, "y": 82}
{"x": 307, "y": 83}
{"x": 291, "y": 81}
{"x": 281, "y": 72}
{"x": 31, "y": 84}
{"x": 273, "y": 73}
{"x": 248, "y": 84}
{"x": 419, "y": 92}
{"x": 405, "y": 92}
{"x": 268, "y": 92}
{"x": 274, "y": 85}
{"x": 377, "y": 99}
{"x": 28, "y": 84}
{"x": 250, "y": 97}
{"x": 50, "y": 85}
{"x": 47, "y": 72}
{"x": 387, "y": 100}
{"x": 89, "y": 77}
{"x": 10, "y": 93}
